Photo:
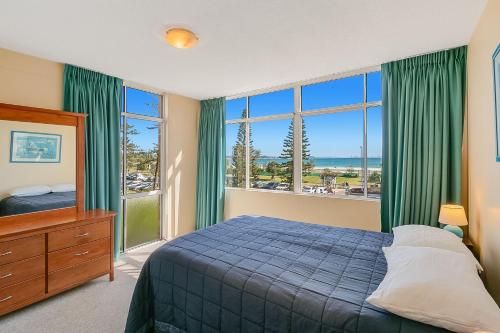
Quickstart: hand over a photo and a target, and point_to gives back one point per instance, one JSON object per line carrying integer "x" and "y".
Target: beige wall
{"x": 350, "y": 213}
{"x": 29, "y": 174}
{"x": 484, "y": 172}
{"x": 30, "y": 81}
{"x": 182, "y": 150}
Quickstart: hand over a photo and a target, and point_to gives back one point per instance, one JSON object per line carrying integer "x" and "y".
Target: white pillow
{"x": 436, "y": 287}
{"x": 64, "y": 188}
{"x": 30, "y": 190}
{"x": 423, "y": 235}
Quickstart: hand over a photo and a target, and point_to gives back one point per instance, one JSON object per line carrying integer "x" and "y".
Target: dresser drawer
{"x": 80, "y": 235}
{"x": 13, "y": 295}
{"x": 78, "y": 254}
{"x": 69, "y": 277}
{"x": 22, "y": 270}
{"x": 21, "y": 249}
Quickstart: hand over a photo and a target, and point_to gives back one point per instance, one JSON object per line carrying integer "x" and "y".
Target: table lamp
{"x": 453, "y": 216}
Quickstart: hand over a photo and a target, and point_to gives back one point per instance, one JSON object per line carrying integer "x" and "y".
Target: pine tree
{"x": 286, "y": 172}
{"x": 238, "y": 157}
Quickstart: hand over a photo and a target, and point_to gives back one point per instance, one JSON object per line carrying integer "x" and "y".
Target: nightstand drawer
{"x": 22, "y": 270}
{"x": 22, "y": 248}
{"x": 80, "y": 235}
{"x": 13, "y": 295}
{"x": 78, "y": 254}
{"x": 70, "y": 277}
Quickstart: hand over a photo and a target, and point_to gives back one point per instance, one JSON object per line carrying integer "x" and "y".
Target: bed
{"x": 27, "y": 204}
{"x": 261, "y": 274}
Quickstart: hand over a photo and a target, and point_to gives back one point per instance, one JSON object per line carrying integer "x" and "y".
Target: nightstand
{"x": 469, "y": 244}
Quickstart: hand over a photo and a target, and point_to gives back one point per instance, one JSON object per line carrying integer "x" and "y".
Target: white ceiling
{"x": 244, "y": 44}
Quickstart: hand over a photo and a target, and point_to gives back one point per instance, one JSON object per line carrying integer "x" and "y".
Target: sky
{"x": 143, "y": 103}
{"x": 331, "y": 135}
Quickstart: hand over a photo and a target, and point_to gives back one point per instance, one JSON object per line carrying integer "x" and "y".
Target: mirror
{"x": 37, "y": 167}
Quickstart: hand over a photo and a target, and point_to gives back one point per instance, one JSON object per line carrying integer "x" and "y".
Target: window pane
{"x": 143, "y": 103}
{"x": 122, "y": 124}
{"x": 143, "y": 156}
{"x": 235, "y": 155}
{"x": 332, "y": 153}
{"x": 277, "y": 102}
{"x": 374, "y": 87}
{"x": 122, "y": 225}
{"x": 142, "y": 220}
{"x": 374, "y": 150}
{"x": 272, "y": 155}
{"x": 236, "y": 108}
{"x": 334, "y": 93}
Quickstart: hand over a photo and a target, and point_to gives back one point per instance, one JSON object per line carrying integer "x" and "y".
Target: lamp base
{"x": 455, "y": 230}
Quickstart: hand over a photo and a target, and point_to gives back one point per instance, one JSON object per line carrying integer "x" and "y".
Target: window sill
{"x": 315, "y": 195}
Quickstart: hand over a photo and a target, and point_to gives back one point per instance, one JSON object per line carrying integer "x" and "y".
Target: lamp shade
{"x": 452, "y": 215}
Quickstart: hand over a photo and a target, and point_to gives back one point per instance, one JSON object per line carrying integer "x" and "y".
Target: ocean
{"x": 331, "y": 162}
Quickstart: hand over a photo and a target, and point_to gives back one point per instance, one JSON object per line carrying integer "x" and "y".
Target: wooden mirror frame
{"x": 54, "y": 117}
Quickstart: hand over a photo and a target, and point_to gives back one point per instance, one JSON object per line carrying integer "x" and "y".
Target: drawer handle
{"x": 5, "y": 276}
{"x": 82, "y": 235}
{"x": 82, "y": 254}
{"x": 5, "y": 253}
{"x": 5, "y": 299}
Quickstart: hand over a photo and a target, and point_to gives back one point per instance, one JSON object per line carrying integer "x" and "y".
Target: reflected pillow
{"x": 63, "y": 188}
{"x": 437, "y": 287}
{"x": 423, "y": 235}
{"x": 30, "y": 191}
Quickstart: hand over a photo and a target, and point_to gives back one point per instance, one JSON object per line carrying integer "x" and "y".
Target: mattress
{"x": 35, "y": 203}
{"x": 262, "y": 274}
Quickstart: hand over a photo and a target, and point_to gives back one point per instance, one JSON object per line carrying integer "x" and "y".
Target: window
{"x": 259, "y": 143}
{"x": 141, "y": 138}
{"x": 320, "y": 138}
{"x": 333, "y": 155}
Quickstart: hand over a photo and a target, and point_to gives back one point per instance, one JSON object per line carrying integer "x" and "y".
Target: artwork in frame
{"x": 31, "y": 147}
{"x": 496, "y": 96}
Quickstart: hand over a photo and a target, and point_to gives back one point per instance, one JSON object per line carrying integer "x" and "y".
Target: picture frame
{"x": 33, "y": 147}
{"x": 496, "y": 98}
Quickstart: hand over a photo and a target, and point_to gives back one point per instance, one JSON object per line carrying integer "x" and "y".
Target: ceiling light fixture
{"x": 180, "y": 38}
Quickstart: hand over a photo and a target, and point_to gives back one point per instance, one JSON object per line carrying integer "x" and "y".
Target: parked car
{"x": 308, "y": 189}
{"x": 270, "y": 186}
{"x": 283, "y": 187}
{"x": 320, "y": 190}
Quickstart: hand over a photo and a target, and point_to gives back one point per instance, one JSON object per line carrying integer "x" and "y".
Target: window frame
{"x": 297, "y": 116}
{"x": 124, "y": 196}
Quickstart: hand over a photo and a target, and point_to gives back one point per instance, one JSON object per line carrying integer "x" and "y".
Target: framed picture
{"x": 496, "y": 96}
{"x": 30, "y": 147}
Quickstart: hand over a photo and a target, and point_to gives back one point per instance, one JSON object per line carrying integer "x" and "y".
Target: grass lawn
{"x": 314, "y": 179}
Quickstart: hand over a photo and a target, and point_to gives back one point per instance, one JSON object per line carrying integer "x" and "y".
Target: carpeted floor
{"x": 96, "y": 307}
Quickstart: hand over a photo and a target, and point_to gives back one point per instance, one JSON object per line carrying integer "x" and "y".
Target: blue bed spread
{"x": 261, "y": 274}
{"x": 36, "y": 203}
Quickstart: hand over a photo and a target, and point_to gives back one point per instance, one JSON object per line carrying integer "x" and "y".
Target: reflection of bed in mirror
{"x": 13, "y": 205}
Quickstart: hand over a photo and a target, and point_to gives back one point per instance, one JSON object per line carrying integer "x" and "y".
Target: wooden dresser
{"x": 46, "y": 253}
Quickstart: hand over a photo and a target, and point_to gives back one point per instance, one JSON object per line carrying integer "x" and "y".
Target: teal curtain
{"x": 211, "y": 163}
{"x": 98, "y": 96}
{"x": 423, "y": 101}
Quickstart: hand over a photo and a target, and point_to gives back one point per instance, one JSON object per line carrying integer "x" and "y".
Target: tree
{"x": 374, "y": 177}
{"x": 327, "y": 176}
{"x": 286, "y": 172}
{"x": 238, "y": 158}
{"x": 273, "y": 168}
